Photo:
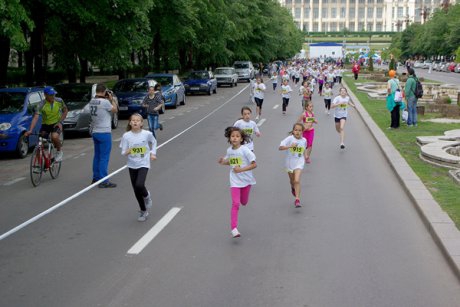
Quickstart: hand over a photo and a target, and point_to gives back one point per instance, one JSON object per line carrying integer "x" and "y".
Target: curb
{"x": 439, "y": 224}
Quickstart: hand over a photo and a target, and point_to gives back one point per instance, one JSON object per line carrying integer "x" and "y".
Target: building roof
{"x": 325, "y": 45}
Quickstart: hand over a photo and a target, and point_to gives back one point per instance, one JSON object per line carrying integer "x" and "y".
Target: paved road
{"x": 357, "y": 241}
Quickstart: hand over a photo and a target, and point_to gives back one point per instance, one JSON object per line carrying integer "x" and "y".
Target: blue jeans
{"x": 102, "y": 147}
{"x": 412, "y": 111}
{"x": 153, "y": 123}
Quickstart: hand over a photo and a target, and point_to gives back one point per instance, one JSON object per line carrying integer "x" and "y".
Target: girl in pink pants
{"x": 242, "y": 162}
{"x": 308, "y": 119}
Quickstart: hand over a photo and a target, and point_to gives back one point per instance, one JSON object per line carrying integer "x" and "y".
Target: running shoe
{"x": 59, "y": 155}
{"x": 284, "y": 113}
{"x": 257, "y": 117}
{"x": 143, "y": 216}
{"x": 161, "y": 127}
{"x": 148, "y": 201}
{"x": 235, "y": 233}
{"x": 297, "y": 203}
{"x": 107, "y": 184}
{"x": 342, "y": 146}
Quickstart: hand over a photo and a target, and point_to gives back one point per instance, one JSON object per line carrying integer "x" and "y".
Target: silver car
{"x": 226, "y": 76}
{"x": 245, "y": 70}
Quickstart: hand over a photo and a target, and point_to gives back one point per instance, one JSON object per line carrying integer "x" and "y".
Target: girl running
{"x": 248, "y": 126}
{"x": 320, "y": 84}
{"x": 308, "y": 119}
{"x": 285, "y": 94}
{"x": 259, "y": 90}
{"x": 274, "y": 79}
{"x": 295, "y": 146}
{"x": 304, "y": 91}
{"x": 340, "y": 104}
{"x": 242, "y": 162}
{"x": 327, "y": 98}
{"x": 141, "y": 147}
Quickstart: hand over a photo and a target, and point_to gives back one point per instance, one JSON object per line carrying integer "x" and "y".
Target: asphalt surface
{"x": 357, "y": 241}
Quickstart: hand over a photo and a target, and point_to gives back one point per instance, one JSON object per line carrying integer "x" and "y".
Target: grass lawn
{"x": 436, "y": 179}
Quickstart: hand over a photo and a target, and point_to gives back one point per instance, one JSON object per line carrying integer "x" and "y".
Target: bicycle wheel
{"x": 55, "y": 166}
{"x": 36, "y": 166}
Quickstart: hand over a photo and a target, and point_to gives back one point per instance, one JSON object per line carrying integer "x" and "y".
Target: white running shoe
{"x": 59, "y": 155}
{"x": 148, "y": 201}
{"x": 235, "y": 233}
{"x": 143, "y": 216}
{"x": 257, "y": 117}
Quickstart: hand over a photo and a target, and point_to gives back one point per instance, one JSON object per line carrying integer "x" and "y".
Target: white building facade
{"x": 359, "y": 15}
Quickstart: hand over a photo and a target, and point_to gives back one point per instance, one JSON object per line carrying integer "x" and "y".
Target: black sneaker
{"x": 161, "y": 127}
{"x": 342, "y": 146}
{"x": 107, "y": 184}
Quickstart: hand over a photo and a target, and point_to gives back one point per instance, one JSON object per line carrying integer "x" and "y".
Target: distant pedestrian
{"x": 274, "y": 79}
{"x": 393, "y": 102}
{"x": 355, "y": 69}
{"x": 285, "y": 94}
{"x": 153, "y": 102}
{"x": 259, "y": 93}
{"x": 411, "y": 99}
{"x": 242, "y": 161}
{"x": 248, "y": 126}
{"x": 141, "y": 147}
{"x": 327, "y": 98}
{"x": 340, "y": 105}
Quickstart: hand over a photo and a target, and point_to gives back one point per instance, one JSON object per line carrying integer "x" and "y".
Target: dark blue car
{"x": 171, "y": 87}
{"x": 17, "y": 106}
{"x": 200, "y": 81}
{"x": 131, "y": 93}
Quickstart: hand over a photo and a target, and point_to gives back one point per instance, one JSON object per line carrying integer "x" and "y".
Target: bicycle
{"x": 42, "y": 160}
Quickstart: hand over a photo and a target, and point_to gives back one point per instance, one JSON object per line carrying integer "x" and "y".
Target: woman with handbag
{"x": 394, "y": 99}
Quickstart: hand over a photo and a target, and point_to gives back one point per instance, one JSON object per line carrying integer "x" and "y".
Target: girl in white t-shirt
{"x": 285, "y": 94}
{"x": 248, "y": 126}
{"x": 259, "y": 90}
{"x": 140, "y": 146}
{"x": 242, "y": 162}
{"x": 295, "y": 146}
{"x": 340, "y": 105}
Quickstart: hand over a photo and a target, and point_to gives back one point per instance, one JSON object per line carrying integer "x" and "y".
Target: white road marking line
{"x": 67, "y": 200}
{"x": 261, "y": 122}
{"x": 154, "y": 231}
{"x": 180, "y": 114}
{"x": 162, "y": 121}
{"x": 172, "y": 117}
{"x": 276, "y": 106}
{"x": 117, "y": 140}
{"x": 11, "y": 182}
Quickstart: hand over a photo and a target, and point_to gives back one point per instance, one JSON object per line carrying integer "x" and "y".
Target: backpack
{"x": 418, "y": 89}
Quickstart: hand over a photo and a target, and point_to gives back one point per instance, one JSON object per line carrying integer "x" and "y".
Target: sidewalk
{"x": 439, "y": 224}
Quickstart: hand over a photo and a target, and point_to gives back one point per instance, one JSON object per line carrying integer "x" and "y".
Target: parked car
{"x": 457, "y": 68}
{"x": 426, "y": 64}
{"x": 452, "y": 66}
{"x": 17, "y": 107}
{"x": 77, "y": 96}
{"x": 172, "y": 88}
{"x": 226, "y": 76}
{"x": 418, "y": 64}
{"x": 245, "y": 70}
{"x": 443, "y": 67}
{"x": 200, "y": 81}
{"x": 131, "y": 93}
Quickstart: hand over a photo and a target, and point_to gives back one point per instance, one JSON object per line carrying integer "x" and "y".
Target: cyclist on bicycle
{"x": 53, "y": 111}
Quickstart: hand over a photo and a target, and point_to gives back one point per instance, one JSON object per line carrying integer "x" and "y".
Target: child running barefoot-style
{"x": 141, "y": 147}
{"x": 308, "y": 119}
{"x": 242, "y": 162}
{"x": 248, "y": 126}
{"x": 285, "y": 94}
{"x": 340, "y": 104}
{"x": 295, "y": 146}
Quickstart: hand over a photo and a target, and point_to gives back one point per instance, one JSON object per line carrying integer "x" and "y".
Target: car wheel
{"x": 175, "y": 103}
{"x": 23, "y": 146}
{"x": 236, "y": 83}
{"x": 183, "y": 101}
{"x": 215, "y": 90}
{"x": 115, "y": 120}
{"x": 231, "y": 84}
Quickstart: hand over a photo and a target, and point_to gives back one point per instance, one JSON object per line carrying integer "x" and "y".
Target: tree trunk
{"x": 38, "y": 48}
{"x": 182, "y": 59}
{"x": 20, "y": 59}
{"x": 5, "y": 44}
{"x": 71, "y": 74}
{"x": 83, "y": 69}
{"x": 29, "y": 59}
{"x": 156, "y": 51}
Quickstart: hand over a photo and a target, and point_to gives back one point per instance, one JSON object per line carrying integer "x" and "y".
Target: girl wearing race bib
{"x": 304, "y": 91}
{"x": 140, "y": 146}
{"x": 259, "y": 90}
{"x": 242, "y": 162}
{"x": 308, "y": 119}
{"x": 295, "y": 146}
{"x": 340, "y": 104}
{"x": 327, "y": 98}
{"x": 285, "y": 94}
{"x": 248, "y": 126}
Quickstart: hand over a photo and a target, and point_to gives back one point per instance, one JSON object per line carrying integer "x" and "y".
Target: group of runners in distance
{"x": 316, "y": 77}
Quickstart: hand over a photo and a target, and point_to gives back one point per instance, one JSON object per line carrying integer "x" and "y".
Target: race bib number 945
{"x": 235, "y": 161}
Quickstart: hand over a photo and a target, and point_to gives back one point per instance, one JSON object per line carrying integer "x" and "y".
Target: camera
{"x": 108, "y": 93}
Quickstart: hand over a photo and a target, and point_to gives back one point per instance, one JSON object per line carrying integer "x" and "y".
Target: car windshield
{"x": 199, "y": 75}
{"x": 164, "y": 80}
{"x": 241, "y": 65}
{"x": 77, "y": 93}
{"x": 11, "y": 102}
{"x": 223, "y": 71}
{"x": 131, "y": 86}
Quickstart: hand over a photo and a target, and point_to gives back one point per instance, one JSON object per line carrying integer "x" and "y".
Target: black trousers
{"x": 356, "y": 76}
{"x": 395, "y": 117}
{"x": 285, "y": 103}
{"x": 138, "y": 176}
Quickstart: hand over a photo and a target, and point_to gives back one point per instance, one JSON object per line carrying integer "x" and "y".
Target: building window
{"x": 324, "y": 26}
{"x": 315, "y": 12}
{"x": 334, "y": 12}
{"x": 343, "y": 12}
{"x": 362, "y": 1}
{"x": 333, "y": 26}
{"x": 400, "y": 12}
{"x": 369, "y": 27}
{"x": 315, "y": 27}
{"x": 361, "y": 26}
{"x": 351, "y": 12}
{"x": 379, "y": 12}
{"x": 306, "y": 12}
{"x": 378, "y": 27}
{"x": 306, "y": 26}
{"x": 297, "y": 12}
{"x": 351, "y": 26}
{"x": 298, "y": 1}
{"x": 361, "y": 13}
{"x": 370, "y": 12}
{"x": 288, "y": 1}
{"x": 324, "y": 13}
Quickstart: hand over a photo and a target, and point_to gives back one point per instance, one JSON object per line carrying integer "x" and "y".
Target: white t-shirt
{"x": 286, "y": 91}
{"x": 295, "y": 158}
{"x": 142, "y": 143}
{"x": 259, "y": 90}
{"x": 250, "y": 128}
{"x": 241, "y": 157}
{"x": 327, "y": 92}
{"x": 100, "y": 110}
{"x": 342, "y": 109}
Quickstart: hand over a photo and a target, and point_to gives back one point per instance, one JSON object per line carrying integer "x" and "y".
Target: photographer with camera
{"x": 101, "y": 108}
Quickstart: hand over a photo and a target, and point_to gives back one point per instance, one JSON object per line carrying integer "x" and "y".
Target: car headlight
{"x": 5, "y": 126}
{"x": 137, "y": 101}
{"x": 74, "y": 113}
{"x": 169, "y": 92}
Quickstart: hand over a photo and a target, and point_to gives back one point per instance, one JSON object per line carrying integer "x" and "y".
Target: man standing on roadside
{"x": 101, "y": 108}
{"x": 409, "y": 91}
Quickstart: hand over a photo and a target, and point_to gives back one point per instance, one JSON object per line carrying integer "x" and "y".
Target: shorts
{"x": 337, "y": 120}
{"x": 291, "y": 164}
{"x": 258, "y": 102}
{"x": 309, "y": 135}
{"x": 47, "y": 129}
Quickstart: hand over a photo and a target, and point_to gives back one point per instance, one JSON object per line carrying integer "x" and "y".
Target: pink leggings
{"x": 309, "y": 135}
{"x": 239, "y": 196}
